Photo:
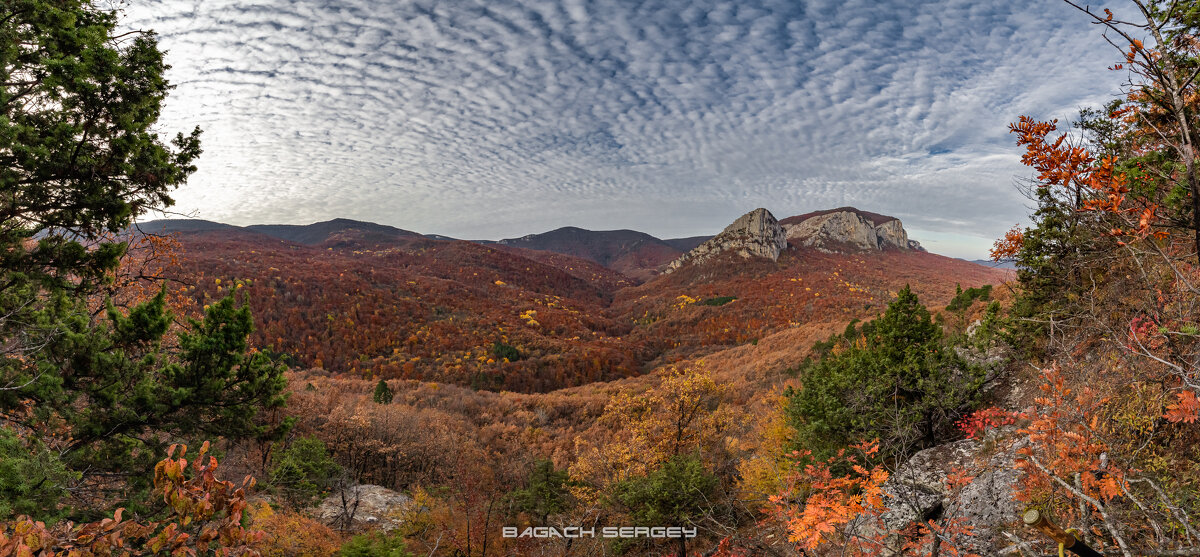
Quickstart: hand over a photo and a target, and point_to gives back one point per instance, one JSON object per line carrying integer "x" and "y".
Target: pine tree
{"x": 545, "y": 493}
{"x": 79, "y": 160}
{"x": 894, "y": 379}
{"x": 383, "y": 393}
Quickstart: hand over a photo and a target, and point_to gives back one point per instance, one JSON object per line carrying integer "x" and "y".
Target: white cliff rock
{"x": 849, "y": 231}
{"x": 754, "y": 234}
{"x": 839, "y": 231}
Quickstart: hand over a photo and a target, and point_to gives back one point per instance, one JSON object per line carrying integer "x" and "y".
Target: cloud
{"x": 488, "y": 119}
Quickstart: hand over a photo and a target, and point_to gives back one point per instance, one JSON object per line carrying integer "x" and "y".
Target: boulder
{"x": 754, "y": 234}
{"x": 918, "y": 492}
{"x": 377, "y": 507}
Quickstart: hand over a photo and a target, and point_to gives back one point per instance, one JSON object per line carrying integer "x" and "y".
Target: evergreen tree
{"x": 894, "y": 379}
{"x": 32, "y": 479}
{"x": 79, "y": 160}
{"x": 545, "y": 493}
{"x": 383, "y": 393}
{"x": 375, "y": 544}
{"x": 303, "y": 471}
{"x": 677, "y": 494}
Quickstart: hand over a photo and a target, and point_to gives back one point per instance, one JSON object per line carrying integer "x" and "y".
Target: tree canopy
{"x": 93, "y": 393}
{"x": 893, "y": 378}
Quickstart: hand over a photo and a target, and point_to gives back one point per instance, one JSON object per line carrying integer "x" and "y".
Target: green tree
{"x": 303, "y": 471}
{"x": 383, "y": 393}
{"x": 78, "y": 155}
{"x": 676, "y": 494}
{"x": 31, "y": 478}
{"x": 1048, "y": 266}
{"x": 112, "y": 393}
{"x": 544, "y": 494}
{"x": 505, "y": 352}
{"x": 894, "y": 379}
{"x": 79, "y": 160}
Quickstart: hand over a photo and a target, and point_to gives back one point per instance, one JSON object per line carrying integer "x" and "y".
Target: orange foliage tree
{"x": 1132, "y": 183}
{"x": 830, "y": 513}
{"x": 681, "y": 415}
{"x": 820, "y": 503}
{"x": 290, "y": 534}
{"x": 1110, "y": 445}
{"x": 1081, "y": 463}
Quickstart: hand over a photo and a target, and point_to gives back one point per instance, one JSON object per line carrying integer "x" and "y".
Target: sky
{"x": 494, "y": 119}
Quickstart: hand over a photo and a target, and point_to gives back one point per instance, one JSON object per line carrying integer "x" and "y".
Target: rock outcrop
{"x": 849, "y": 230}
{"x": 891, "y": 233}
{"x": 841, "y": 231}
{"x": 365, "y": 505}
{"x": 918, "y": 492}
{"x": 754, "y": 234}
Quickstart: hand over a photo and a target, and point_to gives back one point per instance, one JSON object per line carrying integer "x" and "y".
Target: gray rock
{"x": 918, "y": 492}
{"x": 850, "y": 232}
{"x": 892, "y": 234}
{"x": 755, "y": 234}
{"x": 841, "y": 231}
{"x": 377, "y": 507}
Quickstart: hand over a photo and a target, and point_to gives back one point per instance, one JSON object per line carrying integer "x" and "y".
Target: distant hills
{"x": 577, "y": 306}
{"x": 1008, "y": 264}
{"x": 317, "y": 233}
{"x": 632, "y": 253}
{"x": 307, "y": 234}
{"x": 635, "y": 255}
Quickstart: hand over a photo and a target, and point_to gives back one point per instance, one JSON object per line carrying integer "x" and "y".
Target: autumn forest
{"x": 817, "y": 384}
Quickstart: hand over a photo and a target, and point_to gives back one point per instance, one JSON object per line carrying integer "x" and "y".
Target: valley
{"x": 363, "y": 301}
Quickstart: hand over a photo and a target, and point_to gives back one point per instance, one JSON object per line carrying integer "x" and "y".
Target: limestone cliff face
{"x": 839, "y": 231}
{"x": 754, "y": 234}
{"x": 850, "y": 231}
{"x": 892, "y": 234}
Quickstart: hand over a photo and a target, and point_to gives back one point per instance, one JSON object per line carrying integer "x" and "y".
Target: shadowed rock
{"x": 754, "y": 234}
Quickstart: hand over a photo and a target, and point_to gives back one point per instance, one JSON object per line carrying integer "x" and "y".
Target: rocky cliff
{"x": 754, "y": 234}
{"x": 848, "y": 230}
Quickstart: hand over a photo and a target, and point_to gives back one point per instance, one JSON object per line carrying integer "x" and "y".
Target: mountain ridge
{"x": 635, "y": 254}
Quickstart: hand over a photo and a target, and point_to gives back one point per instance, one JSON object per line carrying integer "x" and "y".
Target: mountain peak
{"x": 754, "y": 234}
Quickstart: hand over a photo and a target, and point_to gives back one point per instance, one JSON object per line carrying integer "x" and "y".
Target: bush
{"x": 718, "y": 301}
{"x": 964, "y": 298}
{"x": 288, "y": 534}
{"x": 679, "y": 493}
{"x": 32, "y": 479}
{"x": 505, "y": 352}
{"x": 546, "y": 493}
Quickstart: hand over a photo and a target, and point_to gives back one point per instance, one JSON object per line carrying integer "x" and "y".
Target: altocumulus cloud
{"x": 497, "y": 118}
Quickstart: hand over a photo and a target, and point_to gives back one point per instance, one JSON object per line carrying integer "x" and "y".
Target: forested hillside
{"x": 368, "y": 390}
